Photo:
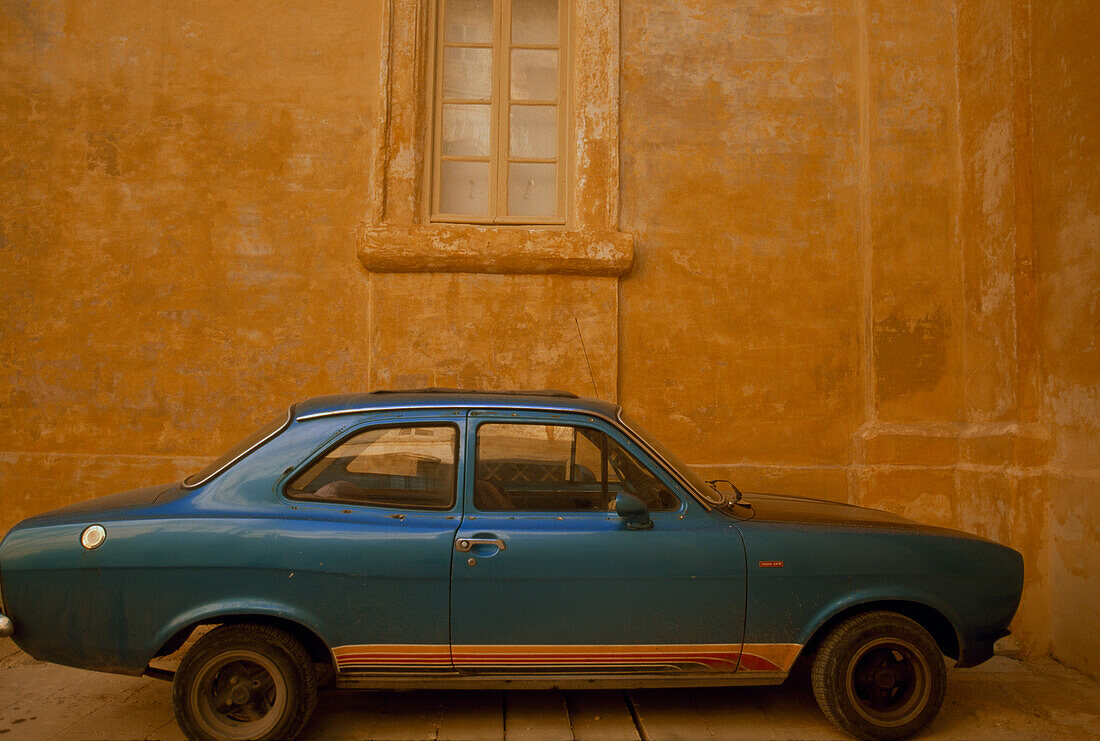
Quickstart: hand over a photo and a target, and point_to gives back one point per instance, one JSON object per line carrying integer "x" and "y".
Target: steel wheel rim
{"x": 887, "y": 682}
{"x": 239, "y": 695}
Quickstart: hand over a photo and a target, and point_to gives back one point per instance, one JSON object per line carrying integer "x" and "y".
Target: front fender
{"x": 888, "y": 599}
{"x": 802, "y": 575}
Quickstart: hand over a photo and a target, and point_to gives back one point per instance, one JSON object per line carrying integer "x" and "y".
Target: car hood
{"x": 782, "y": 508}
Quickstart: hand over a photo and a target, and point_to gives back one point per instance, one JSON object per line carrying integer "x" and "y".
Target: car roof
{"x": 323, "y": 406}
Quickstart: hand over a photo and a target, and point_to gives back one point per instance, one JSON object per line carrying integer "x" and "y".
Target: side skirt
{"x": 364, "y": 681}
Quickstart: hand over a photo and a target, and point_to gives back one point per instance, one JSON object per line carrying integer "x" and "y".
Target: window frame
{"x": 499, "y": 120}
{"x": 640, "y": 456}
{"x": 317, "y": 456}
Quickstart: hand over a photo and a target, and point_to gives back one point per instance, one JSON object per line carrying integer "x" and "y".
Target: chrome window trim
{"x": 438, "y": 407}
{"x": 616, "y": 421}
{"x": 229, "y": 464}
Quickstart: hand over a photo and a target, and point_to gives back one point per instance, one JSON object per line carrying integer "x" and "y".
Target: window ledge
{"x": 461, "y": 248}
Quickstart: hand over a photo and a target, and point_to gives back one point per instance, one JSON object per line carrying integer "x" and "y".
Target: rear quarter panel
{"x": 111, "y": 609}
{"x": 234, "y": 546}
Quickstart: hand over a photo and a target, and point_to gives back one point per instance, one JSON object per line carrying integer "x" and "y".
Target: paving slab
{"x": 601, "y": 715}
{"x": 344, "y": 716}
{"x": 1003, "y": 699}
{"x": 408, "y": 716}
{"x": 536, "y": 715}
{"x": 706, "y": 712}
{"x": 472, "y": 716}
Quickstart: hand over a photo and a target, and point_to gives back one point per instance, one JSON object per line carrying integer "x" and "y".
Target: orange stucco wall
{"x": 864, "y": 254}
{"x": 178, "y": 183}
{"x": 1066, "y": 94}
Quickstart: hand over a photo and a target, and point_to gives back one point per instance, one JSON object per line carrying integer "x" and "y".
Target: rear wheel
{"x": 879, "y": 675}
{"x": 244, "y": 682}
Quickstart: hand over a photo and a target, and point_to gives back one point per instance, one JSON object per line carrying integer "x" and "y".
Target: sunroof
{"x": 439, "y": 390}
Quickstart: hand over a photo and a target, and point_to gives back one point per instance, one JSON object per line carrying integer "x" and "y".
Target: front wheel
{"x": 244, "y": 682}
{"x": 879, "y": 675}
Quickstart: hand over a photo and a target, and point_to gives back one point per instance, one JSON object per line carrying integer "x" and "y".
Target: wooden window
{"x": 500, "y": 118}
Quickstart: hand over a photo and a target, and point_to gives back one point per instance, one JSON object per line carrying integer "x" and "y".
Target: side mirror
{"x": 634, "y": 511}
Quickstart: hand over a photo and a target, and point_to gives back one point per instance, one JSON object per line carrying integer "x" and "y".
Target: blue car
{"x": 451, "y": 539}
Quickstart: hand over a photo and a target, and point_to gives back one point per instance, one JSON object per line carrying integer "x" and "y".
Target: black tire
{"x": 879, "y": 675}
{"x": 244, "y": 682}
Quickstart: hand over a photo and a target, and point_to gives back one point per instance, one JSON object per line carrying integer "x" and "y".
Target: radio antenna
{"x": 587, "y": 362}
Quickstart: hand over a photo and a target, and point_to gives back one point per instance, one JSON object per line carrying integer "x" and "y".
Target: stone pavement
{"x": 1003, "y": 699}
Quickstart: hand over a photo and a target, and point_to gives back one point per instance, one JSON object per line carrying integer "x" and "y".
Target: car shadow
{"x": 783, "y": 712}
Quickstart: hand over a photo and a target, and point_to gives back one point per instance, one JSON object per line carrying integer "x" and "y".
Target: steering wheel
{"x": 619, "y": 466}
{"x": 651, "y": 494}
{"x": 488, "y": 496}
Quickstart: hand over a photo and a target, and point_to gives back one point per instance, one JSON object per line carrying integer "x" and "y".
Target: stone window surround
{"x": 398, "y": 237}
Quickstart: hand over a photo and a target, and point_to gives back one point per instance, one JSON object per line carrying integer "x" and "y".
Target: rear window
{"x": 238, "y": 451}
{"x": 398, "y": 467}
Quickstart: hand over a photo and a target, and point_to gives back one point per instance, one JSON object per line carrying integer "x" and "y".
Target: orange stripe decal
{"x": 392, "y": 657}
{"x": 718, "y": 657}
{"x": 768, "y": 657}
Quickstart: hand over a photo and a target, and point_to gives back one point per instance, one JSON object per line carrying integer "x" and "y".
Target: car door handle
{"x": 463, "y": 545}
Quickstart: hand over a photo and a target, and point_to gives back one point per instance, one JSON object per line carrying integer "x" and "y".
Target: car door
{"x": 547, "y": 578}
{"x": 379, "y": 505}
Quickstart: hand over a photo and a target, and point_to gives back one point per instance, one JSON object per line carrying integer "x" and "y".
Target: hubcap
{"x": 888, "y": 682}
{"x": 238, "y": 695}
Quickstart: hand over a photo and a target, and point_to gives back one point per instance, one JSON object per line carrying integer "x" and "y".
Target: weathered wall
{"x": 741, "y": 195}
{"x": 493, "y": 331}
{"x": 179, "y": 181}
{"x": 1002, "y": 448}
{"x": 1065, "y": 64}
{"x": 864, "y": 239}
{"x": 844, "y": 186}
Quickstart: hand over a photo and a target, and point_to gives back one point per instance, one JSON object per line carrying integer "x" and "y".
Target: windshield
{"x": 705, "y": 490}
{"x": 238, "y": 451}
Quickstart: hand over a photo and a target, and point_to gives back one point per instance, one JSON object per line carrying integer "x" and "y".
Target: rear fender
{"x": 222, "y": 612}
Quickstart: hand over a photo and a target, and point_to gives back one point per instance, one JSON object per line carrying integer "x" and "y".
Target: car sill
{"x": 542, "y": 681}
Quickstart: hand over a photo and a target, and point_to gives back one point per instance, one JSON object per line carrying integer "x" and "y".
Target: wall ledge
{"x": 462, "y": 248}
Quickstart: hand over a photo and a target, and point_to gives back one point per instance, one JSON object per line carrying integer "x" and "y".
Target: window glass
{"x": 533, "y": 131}
{"x": 559, "y": 468}
{"x": 467, "y": 73}
{"x": 532, "y": 189}
{"x": 534, "y": 21}
{"x": 468, "y": 21}
{"x": 534, "y": 74}
{"x": 466, "y": 130}
{"x": 399, "y": 467}
{"x": 466, "y": 188}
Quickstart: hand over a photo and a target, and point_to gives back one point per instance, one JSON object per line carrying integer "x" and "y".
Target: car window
{"x": 406, "y": 467}
{"x": 559, "y": 468}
